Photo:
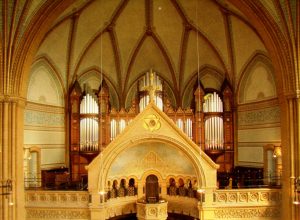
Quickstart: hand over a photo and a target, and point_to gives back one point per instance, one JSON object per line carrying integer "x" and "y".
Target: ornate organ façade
{"x": 94, "y": 124}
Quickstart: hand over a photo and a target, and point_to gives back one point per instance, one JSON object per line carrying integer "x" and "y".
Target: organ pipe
{"x": 89, "y": 126}
{"x": 214, "y": 133}
{"x": 144, "y": 85}
{"x": 212, "y": 103}
{"x": 189, "y": 128}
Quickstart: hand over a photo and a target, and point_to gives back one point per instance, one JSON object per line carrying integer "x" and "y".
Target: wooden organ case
{"x": 92, "y": 128}
{"x": 89, "y": 127}
{"x": 213, "y": 125}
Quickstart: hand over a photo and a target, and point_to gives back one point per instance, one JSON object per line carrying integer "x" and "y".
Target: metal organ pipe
{"x": 89, "y": 123}
{"x": 188, "y": 128}
{"x": 214, "y": 128}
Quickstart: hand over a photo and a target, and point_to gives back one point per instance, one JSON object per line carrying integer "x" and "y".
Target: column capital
{"x": 20, "y": 101}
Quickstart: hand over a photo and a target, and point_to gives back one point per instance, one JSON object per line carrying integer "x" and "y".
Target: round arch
{"x": 200, "y": 161}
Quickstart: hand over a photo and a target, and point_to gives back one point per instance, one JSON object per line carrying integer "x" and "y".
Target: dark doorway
{"x": 152, "y": 189}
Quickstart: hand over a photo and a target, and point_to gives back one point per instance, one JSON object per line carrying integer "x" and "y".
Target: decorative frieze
{"x": 63, "y": 213}
{"x": 56, "y": 199}
{"x": 43, "y": 119}
{"x": 262, "y": 116}
{"x": 246, "y": 212}
{"x": 250, "y": 196}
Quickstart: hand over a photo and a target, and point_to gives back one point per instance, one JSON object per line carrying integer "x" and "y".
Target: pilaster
{"x": 11, "y": 153}
{"x": 291, "y": 158}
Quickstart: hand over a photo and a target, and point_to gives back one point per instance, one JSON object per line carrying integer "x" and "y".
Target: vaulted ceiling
{"x": 121, "y": 40}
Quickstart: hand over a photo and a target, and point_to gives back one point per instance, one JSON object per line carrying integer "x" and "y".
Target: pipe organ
{"x": 89, "y": 127}
{"x": 150, "y": 81}
{"x": 214, "y": 135}
{"x": 213, "y": 125}
{"x": 94, "y": 123}
{"x": 186, "y": 125}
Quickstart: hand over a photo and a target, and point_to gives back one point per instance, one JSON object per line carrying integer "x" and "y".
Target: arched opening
{"x": 152, "y": 189}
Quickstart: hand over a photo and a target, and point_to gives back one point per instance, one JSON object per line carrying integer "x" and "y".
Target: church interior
{"x": 150, "y": 109}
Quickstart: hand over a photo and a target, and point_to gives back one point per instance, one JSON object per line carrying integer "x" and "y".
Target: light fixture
{"x": 202, "y": 194}
{"x": 277, "y": 151}
{"x": 296, "y": 200}
{"x": 201, "y": 190}
{"x": 102, "y": 192}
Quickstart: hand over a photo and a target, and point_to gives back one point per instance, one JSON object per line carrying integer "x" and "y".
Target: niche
{"x": 152, "y": 189}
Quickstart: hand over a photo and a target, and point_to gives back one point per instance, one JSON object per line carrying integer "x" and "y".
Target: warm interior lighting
{"x": 10, "y": 202}
{"x": 297, "y": 191}
{"x": 201, "y": 191}
{"x": 277, "y": 151}
{"x": 102, "y": 192}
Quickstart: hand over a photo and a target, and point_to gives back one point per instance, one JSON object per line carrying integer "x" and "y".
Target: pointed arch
{"x": 260, "y": 64}
{"x": 49, "y": 80}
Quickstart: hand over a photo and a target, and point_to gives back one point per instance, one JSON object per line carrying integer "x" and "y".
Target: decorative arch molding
{"x": 111, "y": 153}
{"x": 96, "y": 73}
{"x": 246, "y": 7}
{"x": 275, "y": 41}
{"x": 205, "y": 70}
{"x": 85, "y": 50}
{"x": 45, "y": 60}
{"x": 108, "y": 27}
{"x": 51, "y": 72}
{"x": 189, "y": 26}
{"x": 258, "y": 59}
{"x": 88, "y": 75}
{"x": 152, "y": 172}
{"x": 30, "y": 42}
{"x": 165, "y": 55}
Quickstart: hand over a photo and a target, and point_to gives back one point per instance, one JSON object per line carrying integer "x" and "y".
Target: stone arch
{"x": 152, "y": 172}
{"x": 258, "y": 63}
{"x": 110, "y": 154}
{"x": 93, "y": 77}
{"x": 33, "y": 36}
{"x": 206, "y": 73}
{"x": 48, "y": 79}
